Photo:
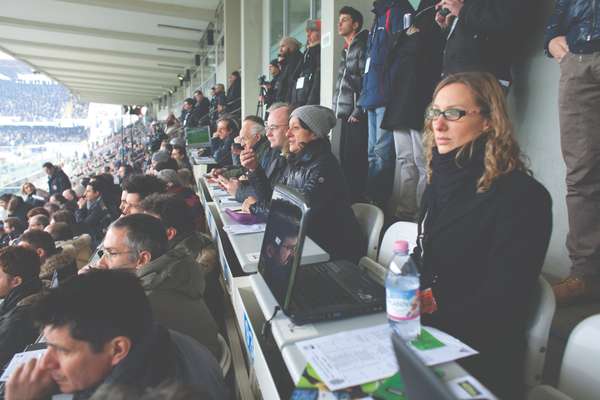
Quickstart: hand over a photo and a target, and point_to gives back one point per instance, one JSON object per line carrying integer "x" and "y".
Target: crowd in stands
{"x": 38, "y": 101}
{"x": 12, "y": 135}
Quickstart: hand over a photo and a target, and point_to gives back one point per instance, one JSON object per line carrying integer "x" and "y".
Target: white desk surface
{"x": 250, "y": 243}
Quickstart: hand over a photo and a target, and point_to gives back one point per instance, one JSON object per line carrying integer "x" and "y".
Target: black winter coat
{"x": 286, "y": 76}
{"x": 484, "y": 38}
{"x": 420, "y": 65}
{"x": 94, "y": 220}
{"x": 482, "y": 257}
{"x": 316, "y": 173}
{"x": 308, "y": 74}
{"x": 350, "y": 77}
{"x": 58, "y": 182}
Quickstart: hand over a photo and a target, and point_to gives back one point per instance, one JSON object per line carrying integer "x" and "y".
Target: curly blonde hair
{"x": 502, "y": 152}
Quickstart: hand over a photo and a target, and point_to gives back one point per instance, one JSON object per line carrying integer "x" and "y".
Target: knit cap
{"x": 320, "y": 120}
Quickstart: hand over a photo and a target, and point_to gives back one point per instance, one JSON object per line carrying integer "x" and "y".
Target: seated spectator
{"x": 169, "y": 164}
{"x": 314, "y": 171}
{"x": 21, "y": 287}
{"x": 222, "y": 140}
{"x": 487, "y": 229}
{"x": 37, "y": 211}
{"x": 70, "y": 195}
{"x": 58, "y": 181}
{"x": 100, "y": 331}
{"x": 179, "y": 155}
{"x": 191, "y": 199}
{"x": 159, "y": 157}
{"x": 92, "y": 214}
{"x": 18, "y": 208}
{"x": 38, "y": 222}
{"x": 51, "y": 208}
{"x": 173, "y": 281}
{"x": 60, "y": 231}
{"x": 186, "y": 178}
{"x": 13, "y": 228}
{"x": 137, "y": 188}
{"x": 57, "y": 265}
{"x": 201, "y": 108}
{"x": 32, "y": 196}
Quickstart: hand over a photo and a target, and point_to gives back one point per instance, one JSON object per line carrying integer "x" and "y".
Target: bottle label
{"x": 402, "y": 305}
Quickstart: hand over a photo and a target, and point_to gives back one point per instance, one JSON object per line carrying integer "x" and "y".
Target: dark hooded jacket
{"x": 305, "y": 86}
{"x": 59, "y": 266}
{"x": 350, "y": 77}
{"x": 315, "y": 172}
{"x": 289, "y": 65}
{"x": 58, "y": 182}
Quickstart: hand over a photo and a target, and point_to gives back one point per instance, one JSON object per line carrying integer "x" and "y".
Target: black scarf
{"x": 452, "y": 176}
{"x": 19, "y": 293}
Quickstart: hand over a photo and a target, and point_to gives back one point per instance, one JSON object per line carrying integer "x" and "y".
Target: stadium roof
{"x": 107, "y": 51}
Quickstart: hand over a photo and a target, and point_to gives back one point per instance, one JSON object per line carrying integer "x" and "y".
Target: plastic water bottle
{"x": 402, "y": 293}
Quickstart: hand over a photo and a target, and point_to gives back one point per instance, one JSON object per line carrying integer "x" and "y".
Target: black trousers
{"x": 349, "y": 144}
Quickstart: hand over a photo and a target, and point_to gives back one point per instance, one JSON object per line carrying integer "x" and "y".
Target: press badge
{"x": 367, "y": 65}
{"x": 300, "y": 83}
{"x": 428, "y": 303}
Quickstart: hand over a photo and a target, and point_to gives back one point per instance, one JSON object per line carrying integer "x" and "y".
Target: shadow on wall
{"x": 533, "y": 104}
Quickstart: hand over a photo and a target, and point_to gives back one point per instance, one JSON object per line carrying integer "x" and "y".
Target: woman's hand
{"x": 248, "y": 203}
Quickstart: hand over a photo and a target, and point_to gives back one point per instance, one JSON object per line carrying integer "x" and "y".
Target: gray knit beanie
{"x": 320, "y": 120}
{"x": 160, "y": 156}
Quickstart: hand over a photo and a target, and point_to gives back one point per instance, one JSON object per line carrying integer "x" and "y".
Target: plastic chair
{"x": 538, "y": 329}
{"x": 399, "y": 231}
{"x": 580, "y": 367}
{"x": 225, "y": 361}
{"x": 370, "y": 219}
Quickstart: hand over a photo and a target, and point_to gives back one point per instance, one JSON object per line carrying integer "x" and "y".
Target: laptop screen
{"x": 281, "y": 244}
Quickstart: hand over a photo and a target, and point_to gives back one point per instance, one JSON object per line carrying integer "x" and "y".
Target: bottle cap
{"x": 401, "y": 246}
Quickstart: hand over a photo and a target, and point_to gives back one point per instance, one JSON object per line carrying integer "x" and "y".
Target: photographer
{"x": 268, "y": 91}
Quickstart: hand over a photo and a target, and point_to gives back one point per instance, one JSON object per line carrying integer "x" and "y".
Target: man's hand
{"x": 29, "y": 382}
{"x": 454, "y": 6}
{"x": 248, "y": 159}
{"x": 232, "y": 186}
{"x": 247, "y": 203}
{"x": 558, "y": 47}
{"x": 216, "y": 172}
{"x": 81, "y": 202}
{"x": 352, "y": 119}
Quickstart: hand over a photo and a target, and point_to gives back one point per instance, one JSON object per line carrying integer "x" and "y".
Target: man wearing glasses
{"x": 173, "y": 281}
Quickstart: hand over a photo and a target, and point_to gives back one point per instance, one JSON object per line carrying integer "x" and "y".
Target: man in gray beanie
{"x": 315, "y": 172}
{"x": 319, "y": 120}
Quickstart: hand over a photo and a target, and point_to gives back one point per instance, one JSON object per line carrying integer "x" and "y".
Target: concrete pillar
{"x": 252, "y": 28}
{"x": 232, "y": 29}
{"x": 332, "y": 44}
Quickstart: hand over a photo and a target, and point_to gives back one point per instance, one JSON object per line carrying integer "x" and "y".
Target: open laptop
{"x": 198, "y": 137}
{"x": 420, "y": 382}
{"x": 314, "y": 292}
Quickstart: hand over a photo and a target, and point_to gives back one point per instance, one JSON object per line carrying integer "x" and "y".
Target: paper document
{"x": 18, "y": 359}
{"x": 229, "y": 202}
{"x": 363, "y": 355}
{"x": 241, "y": 229}
{"x": 204, "y": 160}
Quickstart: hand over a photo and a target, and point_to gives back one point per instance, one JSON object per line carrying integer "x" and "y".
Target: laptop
{"x": 420, "y": 382}
{"x": 198, "y": 137}
{"x": 314, "y": 292}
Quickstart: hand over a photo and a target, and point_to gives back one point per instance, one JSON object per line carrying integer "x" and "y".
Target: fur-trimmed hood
{"x": 80, "y": 247}
{"x": 63, "y": 259}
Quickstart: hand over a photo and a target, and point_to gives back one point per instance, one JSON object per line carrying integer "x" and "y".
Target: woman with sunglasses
{"x": 486, "y": 225}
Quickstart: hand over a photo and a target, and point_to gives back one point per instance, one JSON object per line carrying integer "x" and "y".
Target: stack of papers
{"x": 204, "y": 160}
{"x": 358, "y": 356}
{"x": 241, "y": 229}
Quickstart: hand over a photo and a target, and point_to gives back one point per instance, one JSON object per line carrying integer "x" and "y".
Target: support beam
{"x": 77, "y": 61}
{"x": 153, "y": 89}
{"x": 103, "y": 33}
{"x": 251, "y": 49}
{"x": 150, "y": 7}
{"x": 109, "y": 53}
{"x": 142, "y": 76}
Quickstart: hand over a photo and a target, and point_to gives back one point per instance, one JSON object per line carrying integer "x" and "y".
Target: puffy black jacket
{"x": 350, "y": 76}
{"x": 289, "y": 65}
{"x": 579, "y": 21}
{"x": 316, "y": 173}
{"x": 484, "y": 38}
{"x": 305, "y": 87}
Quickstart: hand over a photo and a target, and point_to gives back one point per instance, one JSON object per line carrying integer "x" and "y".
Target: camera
{"x": 444, "y": 11}
{"x": 262, "y": 80}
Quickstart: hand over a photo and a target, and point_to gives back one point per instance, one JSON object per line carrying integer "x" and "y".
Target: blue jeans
{"x": 382, "y": 156}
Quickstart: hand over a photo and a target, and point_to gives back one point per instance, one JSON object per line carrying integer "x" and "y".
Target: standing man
{"x": 305, "y": 88}
{"x": 202, "y": 107}
{"x": 352, "y": 120}
{"x": 290, "y": 55}
{"x": 271, "y": 88}
{"x": 573, "y": 39}
{"x": 58, "y": 181}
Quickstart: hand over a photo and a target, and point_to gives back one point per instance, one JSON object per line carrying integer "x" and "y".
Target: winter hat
{"x": 160, "y": 156}
{"x": 313, "y": 25}
{"x": 169, "y": 176}
{"x": 320, "y": 120}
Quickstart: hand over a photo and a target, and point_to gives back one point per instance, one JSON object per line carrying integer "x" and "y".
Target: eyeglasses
{"x": 111, "y": 254}
{"x": 451, "y": 114}
{"x": 270, "y": 128}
